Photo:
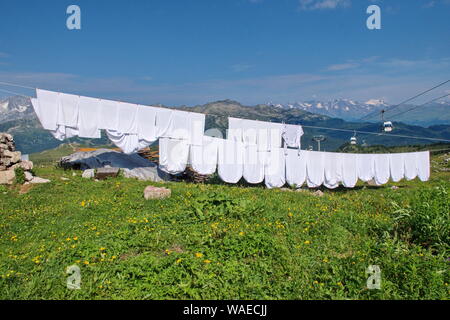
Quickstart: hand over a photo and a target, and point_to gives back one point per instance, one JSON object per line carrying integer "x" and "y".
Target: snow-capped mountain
{"x": 346, "y": 109}
{"x": 14, "y": 108}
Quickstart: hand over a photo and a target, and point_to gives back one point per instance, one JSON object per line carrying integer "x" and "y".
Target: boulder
{"x": 7, "y": 177}
{"x": 103, "y": 173}
{"x": 37, "y": 180}
{"x": 151, "y": 193}
{"x": 25, "y": 165}
{"x": 88, "y": 174}
{"x": 15, "y": 156}
{"x": 28, "y": 176}
{"x": 318, "y": 193}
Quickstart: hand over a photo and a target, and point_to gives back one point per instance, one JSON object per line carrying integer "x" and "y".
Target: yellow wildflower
{"x": 207, "y": 261}
{"x": 307, "y": 242}
{"x": 199, "y": 255}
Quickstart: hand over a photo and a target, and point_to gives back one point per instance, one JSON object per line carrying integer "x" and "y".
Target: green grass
{"x": 223, "y": 242}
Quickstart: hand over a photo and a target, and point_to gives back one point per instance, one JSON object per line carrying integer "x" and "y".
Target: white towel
{"x": 88, "y": 117}
{"x": 68, "y": 110}
{"x": 296, "y": 167}
{"x": 203, "y": 158}
{"x": 275, "y": 168}
{"x": 275, "y": 130}
{"x": 365, "y": 166}
{"x": 173, "y": 155}
{"x": 109, "y": 116}
{"x": 48, "y": 108}
{"x": 262, "y": 136}
{"x": 333, "y": 169}
{"x": 397, "y": 166}
{"x": 291, "y": 135}
{"x": 127, "y": 118}
{"x": 250, "y": 131}
{"x": 349, "y": 170}
{"x": 234, "y": 131}
{"x": 382, "y": 172}
{"x": 163, "y": 120}
{"x": 197, "y": 129}
{"x": 254, "y": 162}
{"x": 230, "y": 160}
{"x": 423, "y": 165}
{"x": 128, "y": 143}
{"x": 410, "y": 160}
{"x": 315, "y": 169}
{"x": 146, "y": 123}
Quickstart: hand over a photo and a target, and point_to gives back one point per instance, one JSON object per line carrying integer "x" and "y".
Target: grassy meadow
{"x": 216, "y": 241}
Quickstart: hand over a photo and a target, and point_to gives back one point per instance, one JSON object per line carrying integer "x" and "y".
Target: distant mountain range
{"x": 18, "y": 118}
{"x": 350, "y": 110}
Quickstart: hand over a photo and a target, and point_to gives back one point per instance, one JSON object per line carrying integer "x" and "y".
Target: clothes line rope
{"x": 306, "y": 126}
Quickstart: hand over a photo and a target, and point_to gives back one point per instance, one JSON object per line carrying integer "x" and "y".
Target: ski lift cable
{"x": 400, "y": 113}
{"x": 306, "y": 126}
{"x": 407, "y": 100}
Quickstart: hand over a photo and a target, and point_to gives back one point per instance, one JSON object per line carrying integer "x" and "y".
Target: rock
{"x": 25, "y": 165}
{"x": 318, "y": 193}
{"x": 103, "y": 173}
{"x": 7, "y": 177}
{"x": 5, "y": 138}
{"x": 13, "y": 155}
{"x": 37, "y": 180}
{"x": 4, "y": 146}
{"x": 88, "y": 174}
{"x": 2, "y": 168}
{"x": 74, "y": 174}
{"x": 28, "y": 176}
{"x": 64, "y": 179}
{"x": 156, "y": 193}
{"x": 395, "y": 188}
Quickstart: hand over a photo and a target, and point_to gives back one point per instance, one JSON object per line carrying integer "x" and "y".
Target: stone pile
{"x": 10, "y": 160}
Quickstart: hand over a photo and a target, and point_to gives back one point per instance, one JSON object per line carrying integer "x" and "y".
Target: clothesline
{"x": 306, "y": 126}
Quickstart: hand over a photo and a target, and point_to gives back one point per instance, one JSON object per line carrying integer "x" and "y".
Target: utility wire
{"x": 400, "y": 113}
{"x": 407, "y": 100}
{"x": 306, "y": 126}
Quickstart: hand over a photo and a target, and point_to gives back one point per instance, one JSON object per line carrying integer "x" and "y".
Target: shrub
{"x": 20, "y": 175}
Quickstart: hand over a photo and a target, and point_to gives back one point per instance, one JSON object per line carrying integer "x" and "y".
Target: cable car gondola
{"x": 387, "y": 125}
{"x": 353, "y": 140}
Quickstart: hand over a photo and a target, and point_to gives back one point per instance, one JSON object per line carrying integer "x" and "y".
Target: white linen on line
{"x": 423, "y": 165}
{"x": 315, "y": 169}
{"x": 291, "y": 135}
{"x": 332, "y": 169}
{"x": 410, "y": 160}
{"x": 128, "y": 143}
{"x": 249, "y": 131}
{"x": 254, "y": 162}
{"x": 275, "y": 130}
{"x": 275, "y": 168}
{"x": 349, "y": 170}
{"x": 127, "y": 118}
{"x": 230, "y": 160}
{"x": 68, "y": 110}
{"x": 88, "y": 118}
{"x": 173, "y": 155}
{"x": 163, "y": 120}
{"x": 48, "y": 108}
{"x": 203, "y": 158}
{"x": 382, "y": 172}
{"x": 296, "y": 167}
{"x": 146, "y": 123}
{"x": 234, "y": 131}
{"x": 397, "y": 166}
{"x": 109, "y": 119}
{"x": 365, "y": 166}
{"x": 197, "y": 129}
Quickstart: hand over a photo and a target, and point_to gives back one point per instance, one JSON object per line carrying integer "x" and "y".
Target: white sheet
{"x": 230, "y": 160}
{"x": 333, "y": 169}
{"x": 127, "y": 118}
{"x": 397, "y": 166}
{"x": 203, "y": 158}
{"x": 68, "y": 110}
{"x": 296, "y": 167}
{"x": 275, "y": 168}
{"x": 197, "y": 128}
{"x": 410, "y": 160}
{"x": 173, "y": 155}
{"x": 163, "y": 121}
{"x": 365, "y": 167}
{"x": 315, "y": 169}
{"x": 88, "y": 118}
{"x": 349, "y": 170}
{"x": 48, "y": 108}
{"x": 254, "y": 162}
{"x": 291, "y": 135}
{"x": 128, "y": 143}
{"x": 109, "y": 116}
{"x": 234, "y": 131}
{"x": 382, "y": 170}
{"x": 423, "y": 165}
{"x": 146, "y": 123}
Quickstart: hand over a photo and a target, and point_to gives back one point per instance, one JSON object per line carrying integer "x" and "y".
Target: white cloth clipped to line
{"x": 173, "y": 155}
{"x": 203, "y": 159}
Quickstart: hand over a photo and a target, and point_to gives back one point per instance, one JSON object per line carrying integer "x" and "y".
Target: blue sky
{"x": 178, "y": 52}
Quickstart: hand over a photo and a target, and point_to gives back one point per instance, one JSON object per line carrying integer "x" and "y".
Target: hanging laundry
{"x": 249, "y": 132}
{"x": 48, "y": 108}
{"x": 349, "y": 170}
{"x": 146, "y": 123}
{"x": 109, "y": 119}
{"x": 365, "y": 166}
{"x": 292, "y": 135}
{"x": 296, "y": 167}
{"x": 203, "y": 158}
{"x": 275, "y": 131}
{"x": 163, "y": 121}
{"x": 381, "y": 166}
{"x": 410, "y": 160}
{"x": 230, "y": 160}
{"x": 127, "y": 118}
{"x": 68, "y": 110}
{"x": 262, "y": 137}
{"x": 234, "y": 131}
{"x": 332, "y": 169}
{"x": 88, "y": 118}
{"x": 275, "y": 168}
{"x": 254, "y": 162}
{"x": 315, "y": 169}
{"x": 397, "y": 166}
{"x": 197, "y": 128}
{"x": 173, "y": 155}
{"x": 423, "y": 165}
{"x": 128, "y": 143}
